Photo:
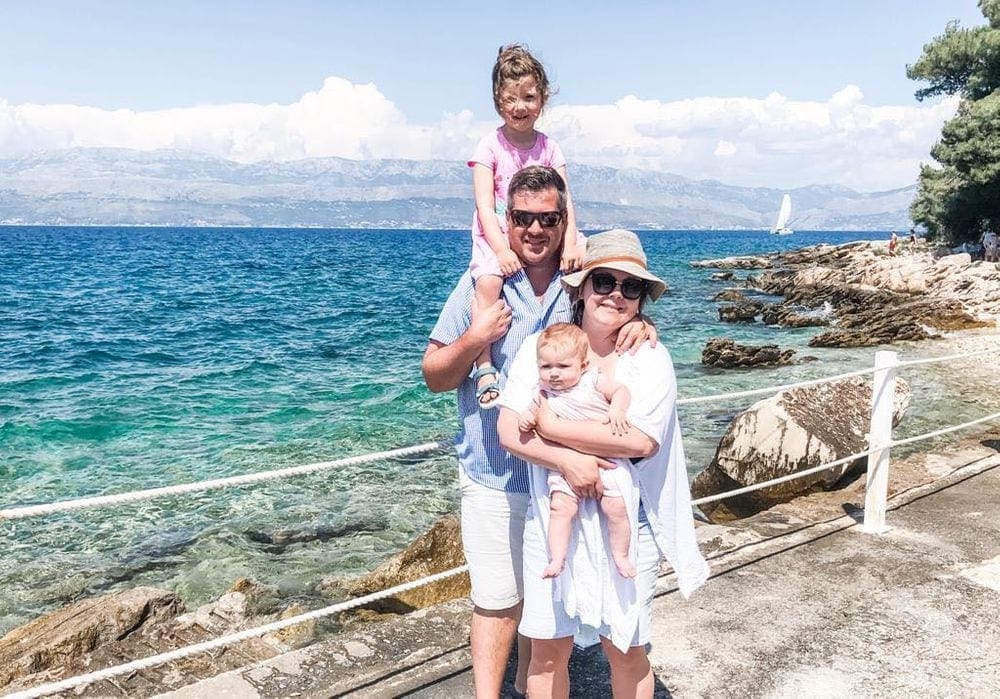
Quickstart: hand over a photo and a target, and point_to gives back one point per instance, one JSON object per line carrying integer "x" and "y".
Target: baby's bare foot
{"x": 625, "y": 568}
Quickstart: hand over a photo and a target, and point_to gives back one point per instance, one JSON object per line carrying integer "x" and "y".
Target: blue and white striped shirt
{"x": 477, "y": 444}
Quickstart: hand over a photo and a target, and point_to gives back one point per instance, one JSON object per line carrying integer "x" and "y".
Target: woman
{"x": 607, "y": 293}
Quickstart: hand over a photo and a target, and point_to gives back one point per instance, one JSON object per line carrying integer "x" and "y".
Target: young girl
{"x": 520, "y": 91}
{"x": 574, "y": 392}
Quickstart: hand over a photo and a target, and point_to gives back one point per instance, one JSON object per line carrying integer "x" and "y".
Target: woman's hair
{"x": 576, "y": 303}
{"x": 565, "y": 337}
{"x": 514, "y": 62}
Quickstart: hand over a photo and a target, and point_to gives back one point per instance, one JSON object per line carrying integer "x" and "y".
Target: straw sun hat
{"x": 618, "y": 249}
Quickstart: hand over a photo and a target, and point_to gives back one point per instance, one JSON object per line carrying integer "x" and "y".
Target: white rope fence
{"x": 229, "y": 639}
{"x": 948, "y": 358}
{"x": 185, "y": 488}
{"x": 946, "y": 430}
{"x": 251, "y": 478}
{"x": 782, "y": 479}
{"x": 152, "y": 661}
{"x": 772, "y": 389}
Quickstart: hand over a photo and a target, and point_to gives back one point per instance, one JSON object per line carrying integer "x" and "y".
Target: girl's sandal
{"x": 492, "y": 387}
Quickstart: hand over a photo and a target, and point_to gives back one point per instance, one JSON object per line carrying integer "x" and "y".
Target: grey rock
{"x": 792, "y": 431}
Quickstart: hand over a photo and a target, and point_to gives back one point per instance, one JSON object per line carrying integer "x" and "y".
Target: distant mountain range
{"x": 89, "y": 186}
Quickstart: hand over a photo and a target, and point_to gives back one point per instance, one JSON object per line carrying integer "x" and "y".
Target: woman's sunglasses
{"x": 604, "y": 284}
{"x": 547, "y": 219}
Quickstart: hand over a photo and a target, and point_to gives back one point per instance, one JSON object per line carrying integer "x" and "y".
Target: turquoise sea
{"x": 143, "y": 357}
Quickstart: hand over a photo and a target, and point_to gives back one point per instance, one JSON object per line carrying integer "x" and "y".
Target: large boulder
{"x": 437, "y": 550}
{"x": 725, "y": 353}
{"x": 794, "y": 430}
{"x": 68, "y": 634}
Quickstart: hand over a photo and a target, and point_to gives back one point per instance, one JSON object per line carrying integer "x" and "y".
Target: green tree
{"x": 957, "y": 199}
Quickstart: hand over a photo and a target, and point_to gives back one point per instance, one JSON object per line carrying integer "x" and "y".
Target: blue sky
{"x": 431, "y": 60}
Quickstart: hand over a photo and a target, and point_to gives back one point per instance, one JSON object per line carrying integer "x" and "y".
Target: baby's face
{"x": 559, "y": 369}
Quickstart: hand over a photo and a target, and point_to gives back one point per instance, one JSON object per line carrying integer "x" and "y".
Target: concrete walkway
{"x": 823, "y": 610}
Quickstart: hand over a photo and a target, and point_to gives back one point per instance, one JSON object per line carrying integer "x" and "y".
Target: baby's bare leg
{"x": 562, "y": 510}
{"x": 619, "y": 533}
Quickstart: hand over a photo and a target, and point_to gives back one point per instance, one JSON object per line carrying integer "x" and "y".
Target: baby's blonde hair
{"x": 564, "y": 337}
{"x": 514, "y": 62}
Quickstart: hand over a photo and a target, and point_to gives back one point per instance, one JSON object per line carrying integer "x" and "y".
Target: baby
{"x": 574, "y": 392}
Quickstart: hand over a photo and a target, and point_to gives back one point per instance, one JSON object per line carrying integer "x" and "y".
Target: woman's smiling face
{"x": 612, "y": 309}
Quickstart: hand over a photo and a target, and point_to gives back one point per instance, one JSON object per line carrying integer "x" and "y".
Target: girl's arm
{"x": 581, "y": 471}
{"x": 486, "y": 211}
{"x": 572, "y": 257}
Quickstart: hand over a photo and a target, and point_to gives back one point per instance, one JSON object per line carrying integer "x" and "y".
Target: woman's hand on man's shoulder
{"x": 636, "y": 334}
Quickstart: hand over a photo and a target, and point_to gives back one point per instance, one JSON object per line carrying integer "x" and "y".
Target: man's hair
{"x": 537, "y": 178}
{"x": 564, "y": 337}
{"x": 514, "y": 62}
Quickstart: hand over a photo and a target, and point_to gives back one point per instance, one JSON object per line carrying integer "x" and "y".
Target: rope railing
{"x": 152, "y": 661}
{"x": 772, "y": 389}
{"x": 229, "y": 639}
{"x": 256, "y": 632}
{"x": 783, "y": 479}
{"x": 948, "y": 358}
{"x": 232, "y": 481}
{"x": 251, "y": 478}
{"x": 946, "y": 430}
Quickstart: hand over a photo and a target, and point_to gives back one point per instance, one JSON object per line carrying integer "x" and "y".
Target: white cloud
{"x": 773, "y": 141}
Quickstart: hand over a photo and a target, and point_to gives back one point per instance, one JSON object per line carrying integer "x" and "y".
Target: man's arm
{"x": 446, "y": 366}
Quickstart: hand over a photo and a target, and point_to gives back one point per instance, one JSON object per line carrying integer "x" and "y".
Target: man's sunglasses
{"x": 546, "y": 219}
{"x": 604, "y": 284}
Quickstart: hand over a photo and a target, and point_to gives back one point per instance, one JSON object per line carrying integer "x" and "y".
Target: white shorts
{"x": 544, "y": 618}
{"x": 492, "y": 534}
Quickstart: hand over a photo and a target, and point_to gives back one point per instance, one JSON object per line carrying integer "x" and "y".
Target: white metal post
{"x": 879, "y": 437}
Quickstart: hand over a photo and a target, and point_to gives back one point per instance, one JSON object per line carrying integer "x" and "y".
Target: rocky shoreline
{"x": 857, "y": 295}
{"x": 867, "y": 296}
{"x": 863, "y": 297}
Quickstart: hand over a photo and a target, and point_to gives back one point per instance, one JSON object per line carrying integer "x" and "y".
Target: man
{"x": 495, "y": 484}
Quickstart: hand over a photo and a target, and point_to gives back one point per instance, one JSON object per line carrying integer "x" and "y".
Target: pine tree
{"x": 957, "y": 200}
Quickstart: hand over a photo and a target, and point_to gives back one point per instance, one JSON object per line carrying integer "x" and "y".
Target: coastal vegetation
{"x": 959, "y": 198}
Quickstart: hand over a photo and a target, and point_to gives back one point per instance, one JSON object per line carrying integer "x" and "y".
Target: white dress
{"x": 661, "y": 479}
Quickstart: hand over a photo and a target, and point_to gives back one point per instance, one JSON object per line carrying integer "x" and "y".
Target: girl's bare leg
{"x": 488, "y": 289}
{"x": 619, "y": 533}
{"x": 562, "y": 510}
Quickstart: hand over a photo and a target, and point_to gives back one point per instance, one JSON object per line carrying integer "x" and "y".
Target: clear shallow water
{"x": 136, "y": 358}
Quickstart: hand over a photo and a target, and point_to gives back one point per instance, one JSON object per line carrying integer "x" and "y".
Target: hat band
{"x": 605, "y": 260}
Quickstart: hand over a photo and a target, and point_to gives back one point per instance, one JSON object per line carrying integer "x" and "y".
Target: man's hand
{"x": 509, "y": 262}
{"x": 489, "y": 324}
{"x": 582, "y": 472}
{"x": 634, "y": 333}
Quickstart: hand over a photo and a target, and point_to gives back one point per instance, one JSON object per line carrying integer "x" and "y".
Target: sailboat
{"x": 784, "y": 213}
